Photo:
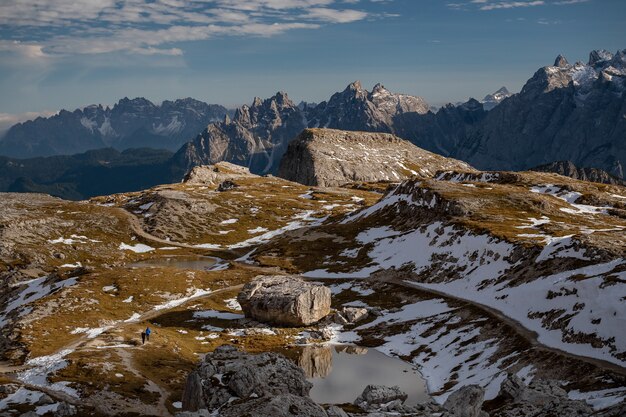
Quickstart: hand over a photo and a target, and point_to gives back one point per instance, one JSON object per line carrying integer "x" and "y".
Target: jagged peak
{"x": 378, "y": 88}
{"x": 561, "y": 61}
{"x": 503, "y": 90}
{"x": 257, "y": 102}
{"x": 599, "y": 55}
{"x": 354, "y": 86}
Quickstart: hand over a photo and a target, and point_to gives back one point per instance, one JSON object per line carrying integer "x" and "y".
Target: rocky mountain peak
{"x": 379, "y": 89}
{"x": 560, "y": 61}
{"x": 354, "y": 86}
{"x": 598, "y": 56}
{"x": 257, "y": 102}
{"x": 492, "y": 100}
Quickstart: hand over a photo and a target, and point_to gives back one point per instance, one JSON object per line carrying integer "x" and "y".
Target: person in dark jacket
{"x": 143, "y": 337}
{"x": 147, "y": 332}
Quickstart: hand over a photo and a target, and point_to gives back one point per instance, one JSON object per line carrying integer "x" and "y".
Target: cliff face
{"x": 327, "y": 157}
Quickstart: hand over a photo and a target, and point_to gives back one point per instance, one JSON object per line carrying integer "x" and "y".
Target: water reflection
{"x": 197, "y": 263}
{"x": 339, "y": 373}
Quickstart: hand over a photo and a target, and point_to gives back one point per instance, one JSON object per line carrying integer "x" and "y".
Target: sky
{"x": 70, "y": 53}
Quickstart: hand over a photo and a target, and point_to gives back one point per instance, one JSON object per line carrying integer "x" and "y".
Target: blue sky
{"x": 69, "y": 53}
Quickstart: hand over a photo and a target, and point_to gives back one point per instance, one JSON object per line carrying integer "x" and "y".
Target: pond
{"x": 197, "y": 263}
{"x": 340, "y": 373}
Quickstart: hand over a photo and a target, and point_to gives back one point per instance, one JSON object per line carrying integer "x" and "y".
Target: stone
{"x": 284, "y": 300}
{"x": 65, "y": 409}
{"x": 199, "y": 413}
{"x": 334, "y": 411}
{"x": 226, "y": 185}
{"x": 284, "y": 405}
{"x": 192, "y": 395}
{"x": 229, "y": 373}
{"x": 540, "y": 399}
{"x": 374, "y": 396}
{"x": 44, "y": 400}
{"x": 354, "y": 314}
{"x": 466, "y": 402}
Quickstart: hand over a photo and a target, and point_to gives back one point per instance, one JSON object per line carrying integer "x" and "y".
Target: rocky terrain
{"x": 328, "y": 157}
{"x": 135, "y": 123}
{"x": 503, "y": 289}
{"x": 568, "y": 169}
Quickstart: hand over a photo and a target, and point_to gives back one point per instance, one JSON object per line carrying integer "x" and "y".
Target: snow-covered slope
{"x": 542, "y": 250}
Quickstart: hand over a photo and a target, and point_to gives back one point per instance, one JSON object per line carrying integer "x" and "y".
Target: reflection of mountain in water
{"x": 317, "y": 361}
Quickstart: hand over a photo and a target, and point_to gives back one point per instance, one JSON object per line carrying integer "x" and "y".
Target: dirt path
{"x": 136, "y": 227}
{"x": 530, "y": 336}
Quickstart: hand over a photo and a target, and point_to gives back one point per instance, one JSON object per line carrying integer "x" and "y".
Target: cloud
{"x": 334, "y": 15}
{"x": 504, "y": 4}
{"x": 65, "y": 27}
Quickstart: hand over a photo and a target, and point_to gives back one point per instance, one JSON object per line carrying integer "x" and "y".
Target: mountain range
{"x": 128, "y": 124}
{"x": 564, "y": 112}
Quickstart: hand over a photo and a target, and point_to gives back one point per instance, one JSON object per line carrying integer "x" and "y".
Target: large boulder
{"x": 228, "y": 374}
{"x": 375, "y": 396}
{"x": 466, "y": 402}
{"x": 284, "y": 405}
{"x": 284, "y": 300}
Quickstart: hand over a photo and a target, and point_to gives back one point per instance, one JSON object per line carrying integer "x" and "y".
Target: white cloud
{"x": 155, "y": 26}
{"x": 334, "y": 15}
{"x": 508, "y": 4}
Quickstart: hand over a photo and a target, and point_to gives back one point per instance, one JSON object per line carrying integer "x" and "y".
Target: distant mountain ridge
{"x": 131, "y": 123}
{"x": 564, "y": 112}
{"x": 568, "y": 169}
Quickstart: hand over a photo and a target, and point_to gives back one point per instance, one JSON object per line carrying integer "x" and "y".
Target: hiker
{"x": 143, "y": 337}
{"x": 147, "y": 332}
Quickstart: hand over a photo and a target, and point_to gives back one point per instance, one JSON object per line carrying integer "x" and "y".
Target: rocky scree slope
{"x": 128, "y": 124}
{"x": 498, "y": 239}
{"x": 328, "y": 158}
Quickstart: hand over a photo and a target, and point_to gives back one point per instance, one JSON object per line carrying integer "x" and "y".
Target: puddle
{"x": 340, "y": 373}
{"x": 197, "y": 263}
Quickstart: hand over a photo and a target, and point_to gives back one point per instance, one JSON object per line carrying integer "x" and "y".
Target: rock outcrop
{"x": 466, "y": 402}
{"x": 284, "y": 300}
{"x": 238, "y": 383}
{"x": 568, "y": 169}
{"x": 327, "y": 157}
{"x": 217, "y": 174}
{"x": 540, "y": 399}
